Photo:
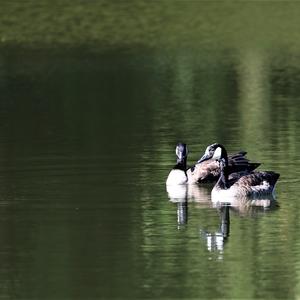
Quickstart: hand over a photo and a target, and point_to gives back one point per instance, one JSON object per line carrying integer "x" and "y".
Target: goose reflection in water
{"x": 215, "y": 240}
{"x": 190, "y": 193}
{"x": 179, "y": 194}
{"x": 182, "y": 194}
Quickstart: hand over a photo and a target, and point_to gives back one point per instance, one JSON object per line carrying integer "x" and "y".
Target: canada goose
{"x": 178, "y": 174}
{"x": 207, "y": 170}
{"x": 240, "y": 184}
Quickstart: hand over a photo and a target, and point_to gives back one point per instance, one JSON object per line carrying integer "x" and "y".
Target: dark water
{"x": 86, "y": 143}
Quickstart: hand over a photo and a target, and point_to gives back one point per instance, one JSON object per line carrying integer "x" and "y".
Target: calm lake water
{"x": 87, "y": 139}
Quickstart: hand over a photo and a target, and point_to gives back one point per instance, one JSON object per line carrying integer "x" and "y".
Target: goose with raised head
{"x": 178, "y": 174}
{"x": 241, "y": 184}
{"x": 207, "y": 170}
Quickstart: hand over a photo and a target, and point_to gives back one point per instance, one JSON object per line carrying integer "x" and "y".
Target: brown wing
{"x": 207, "y": 171}
{"x": 253, "y": 179}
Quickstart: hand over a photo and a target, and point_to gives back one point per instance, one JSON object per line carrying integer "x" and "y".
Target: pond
{"x": 87, "y": 139}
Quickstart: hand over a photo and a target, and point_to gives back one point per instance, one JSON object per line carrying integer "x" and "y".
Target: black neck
{"x": 223, "y": 179}
{"x": 181, "y": 164}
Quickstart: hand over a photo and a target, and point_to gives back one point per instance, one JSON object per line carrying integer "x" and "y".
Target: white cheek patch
{"x": 217, "y": 153}
{"x": 207, "y": 151}
{"x": 178, "y": 153}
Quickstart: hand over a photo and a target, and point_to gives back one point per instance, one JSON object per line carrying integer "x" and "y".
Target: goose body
{"x": 205, "y": 171}
{"x": 238, "y": 185}
{"x": 253, "y": 186}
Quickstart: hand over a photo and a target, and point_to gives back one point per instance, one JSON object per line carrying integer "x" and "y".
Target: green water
{"x": 88, "y": 130}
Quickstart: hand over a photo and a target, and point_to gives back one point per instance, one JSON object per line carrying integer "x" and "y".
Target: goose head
{"x": 214, "y": 151}
{"x": 181, "y": 152}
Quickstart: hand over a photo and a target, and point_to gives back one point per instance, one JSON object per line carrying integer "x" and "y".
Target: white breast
{"x": 176, "y": 177}
{"x": 177, "y": 192}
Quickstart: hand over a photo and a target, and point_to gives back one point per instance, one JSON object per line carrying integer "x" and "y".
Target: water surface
{"x": 87, "y": 138}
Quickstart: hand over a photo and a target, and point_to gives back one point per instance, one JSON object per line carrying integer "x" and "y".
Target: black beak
{"x": 204, "y": 158}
